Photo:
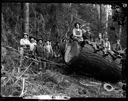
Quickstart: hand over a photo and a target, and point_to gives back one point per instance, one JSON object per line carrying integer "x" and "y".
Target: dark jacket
{"x": 118, "y": 47}
{"x": 40, "y": 50}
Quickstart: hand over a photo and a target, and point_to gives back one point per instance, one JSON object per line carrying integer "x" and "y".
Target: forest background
{"x": 51, "y": 21}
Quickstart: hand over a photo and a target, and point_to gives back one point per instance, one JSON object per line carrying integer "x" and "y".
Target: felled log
{"x": 87, "y": 62}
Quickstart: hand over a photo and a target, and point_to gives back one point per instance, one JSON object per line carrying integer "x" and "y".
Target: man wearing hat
{"x": 107, "y": 46}
{"x": 24, "y": 42}
{"x": 99, "y": 43}
{"x": 32, "y": 45}
{"x": 24, "y": 45}
{"x": 40, "y": 48}
{"x": 48, "y": 49}
{"x": 40, "y": 53}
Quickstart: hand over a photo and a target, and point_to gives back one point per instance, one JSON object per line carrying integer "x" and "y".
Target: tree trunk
{"x": 120, "y": 31}
{"x": 27, "y": 18}
{"x": 95, "y": 65}
{"x": 106, "y": 17}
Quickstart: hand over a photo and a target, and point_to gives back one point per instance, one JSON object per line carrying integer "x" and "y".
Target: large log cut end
{"x": 95, "y": 65}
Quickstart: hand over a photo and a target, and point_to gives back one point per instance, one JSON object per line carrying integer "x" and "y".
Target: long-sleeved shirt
{"x": 107, "y": 45}
{"x": 48, "y": 48}
{"x": 32, "y": 46}
{"x": 40, "y": 50}
{"x": 118, "y": 47}
{"x": 100, "y": 42}
{"x": 24, "y": 42}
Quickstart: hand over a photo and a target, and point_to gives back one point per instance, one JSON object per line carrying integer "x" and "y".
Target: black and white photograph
{"x": 63, "y": 50}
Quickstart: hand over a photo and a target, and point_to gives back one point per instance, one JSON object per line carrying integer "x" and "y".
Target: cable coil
{"x": 108, "y": 87}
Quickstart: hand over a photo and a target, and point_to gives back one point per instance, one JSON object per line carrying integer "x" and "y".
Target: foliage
{"x": 52, "y": 21}
{"x": 119, "y": 17}
{"x": 119, "y": 13}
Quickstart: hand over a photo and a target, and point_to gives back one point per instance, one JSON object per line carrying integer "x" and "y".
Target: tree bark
{"x": 89, "y": 63}
{"x": 27, "y": 18}
{"x": 120, "y": 31}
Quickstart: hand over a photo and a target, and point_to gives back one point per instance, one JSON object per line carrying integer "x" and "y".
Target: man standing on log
{"x": 56, "y": 50}
{"x": 24, "y": 46}
{"x": 32, "y": 46}
{"x": 40, "y": 54}
{"x": 48, "y": 50}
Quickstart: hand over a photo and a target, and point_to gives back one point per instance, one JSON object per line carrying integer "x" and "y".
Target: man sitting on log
{"x": 118, "y": 49}
{"x": 77, "y": 33}
{"x": 107, "y": 49}
{"x": 89, "y": 38}
{"x": 99, "y": 43}
{"x": 89, "y": 34}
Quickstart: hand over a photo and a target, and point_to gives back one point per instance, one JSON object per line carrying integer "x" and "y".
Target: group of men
{"x": 41, "y": 49}
{"x": 103, "y": 44}
{"x": 35, "y": 48}
{"x": 99, "y": 44}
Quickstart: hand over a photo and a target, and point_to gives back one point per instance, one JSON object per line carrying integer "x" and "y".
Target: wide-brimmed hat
{"x": 32, "y": 37}
{"x": 39, "y": 39}
{"x": 105, "y": 35}
{"x": 25, "y": 33}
